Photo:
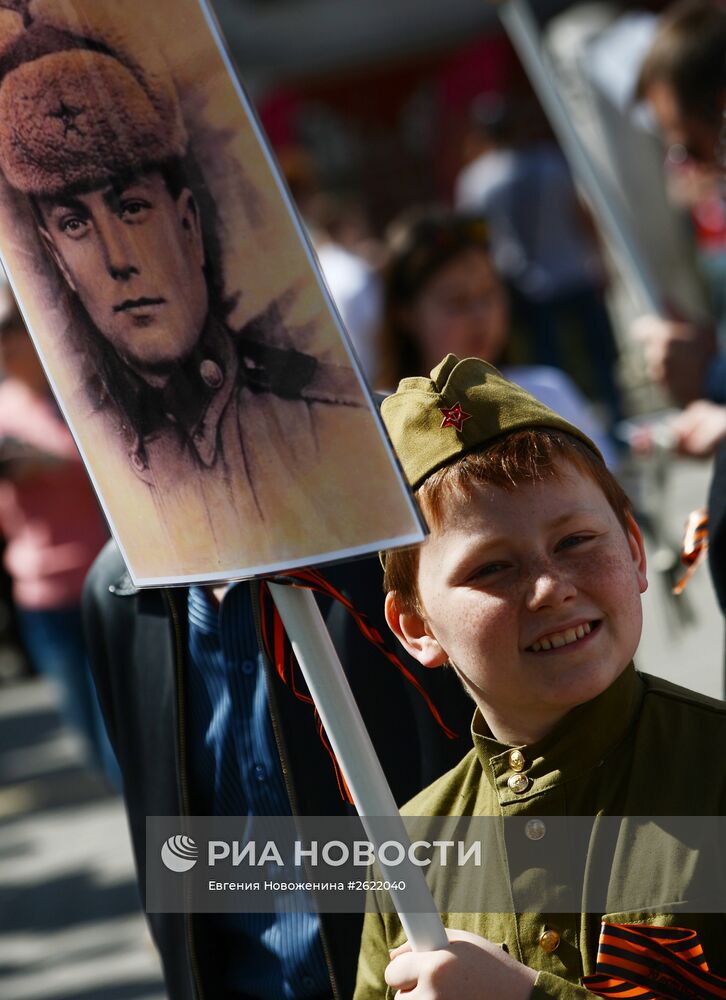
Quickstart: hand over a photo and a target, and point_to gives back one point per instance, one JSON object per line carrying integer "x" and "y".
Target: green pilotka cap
{"x": 434, "y": 421}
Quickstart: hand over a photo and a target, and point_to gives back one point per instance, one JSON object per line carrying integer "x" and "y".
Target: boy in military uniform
{"x": 530, "y": 586}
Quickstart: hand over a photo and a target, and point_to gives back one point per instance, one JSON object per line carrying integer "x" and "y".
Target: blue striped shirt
{"x": 235, "y": 770}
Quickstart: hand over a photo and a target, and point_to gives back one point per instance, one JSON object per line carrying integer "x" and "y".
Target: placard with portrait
{"x": 176, "y": 304}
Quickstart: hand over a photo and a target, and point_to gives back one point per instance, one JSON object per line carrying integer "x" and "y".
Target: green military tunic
{"x": 643, "y": 748}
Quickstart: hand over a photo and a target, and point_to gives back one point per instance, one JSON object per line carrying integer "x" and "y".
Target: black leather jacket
{"x": 138, "y": 648}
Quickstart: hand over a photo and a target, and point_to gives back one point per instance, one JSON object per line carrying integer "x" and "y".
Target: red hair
{"x": 525, "y": 456}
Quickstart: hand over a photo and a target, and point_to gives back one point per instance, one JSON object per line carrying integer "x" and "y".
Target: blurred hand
{"x": 677, "y": 354}
{"x": 700, "y": 428}
{"x": 471, "y": 968}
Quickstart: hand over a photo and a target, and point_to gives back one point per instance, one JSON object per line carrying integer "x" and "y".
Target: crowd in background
{"x": 511, "y": 265}
{"x": 508, "y": 265}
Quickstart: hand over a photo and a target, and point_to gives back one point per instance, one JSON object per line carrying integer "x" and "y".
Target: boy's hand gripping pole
{"x": 358, "y": 761}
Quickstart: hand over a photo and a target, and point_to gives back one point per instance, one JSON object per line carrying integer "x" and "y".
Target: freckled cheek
{"x": 610, "y": 578}
{"x": 612, "y": 565}
{"x": 484, "y": 624}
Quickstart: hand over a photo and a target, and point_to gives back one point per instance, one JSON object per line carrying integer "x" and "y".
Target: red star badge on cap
{"x": 454, "y": 416}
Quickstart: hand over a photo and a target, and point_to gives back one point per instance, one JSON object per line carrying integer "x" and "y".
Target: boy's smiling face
{"x": 509, "y": 579}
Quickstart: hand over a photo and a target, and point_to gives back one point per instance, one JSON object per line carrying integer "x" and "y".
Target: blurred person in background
{"x": 541, "y": 241}
{"x": 349, "y": 257}
{"x": 443, "y": 294}
{"x": 53, "y": 529}
{"x": 683, "y": 79}
{"x": 348, "y": 254}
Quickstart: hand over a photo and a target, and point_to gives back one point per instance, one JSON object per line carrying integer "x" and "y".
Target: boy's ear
{"x": 637, "y": 551}
{"x": 414, "y": 634}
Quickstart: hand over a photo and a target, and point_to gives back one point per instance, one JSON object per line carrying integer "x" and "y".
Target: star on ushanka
{"x": 66, "y": 115}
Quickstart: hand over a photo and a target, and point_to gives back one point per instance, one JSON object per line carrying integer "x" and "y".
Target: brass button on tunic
{"x": 518, "y": 783}
{"x": 597, "y": 763}
{"x": 549, "y": 941}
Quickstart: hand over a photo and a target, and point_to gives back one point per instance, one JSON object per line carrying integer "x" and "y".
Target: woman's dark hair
{"x": 420, "y": 244}
{"x": 689, "y": 54}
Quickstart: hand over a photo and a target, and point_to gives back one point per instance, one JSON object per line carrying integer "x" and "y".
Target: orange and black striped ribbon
{"x": 279, "y": 651}
{"x": 695, "y": 546}
{"x": 652, "y": 963}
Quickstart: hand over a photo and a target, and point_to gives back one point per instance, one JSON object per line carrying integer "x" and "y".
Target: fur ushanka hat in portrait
{"x": 77, "y": 109}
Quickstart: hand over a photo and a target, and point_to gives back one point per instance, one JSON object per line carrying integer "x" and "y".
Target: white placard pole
{"x": 357, "y": 758}
{"x": 524, "y": 34}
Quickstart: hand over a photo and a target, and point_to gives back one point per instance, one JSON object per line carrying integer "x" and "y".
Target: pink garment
{"x": 50, "y": 518}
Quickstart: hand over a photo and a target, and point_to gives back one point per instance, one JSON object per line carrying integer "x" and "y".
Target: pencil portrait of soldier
{"x": 222, "y": 424}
